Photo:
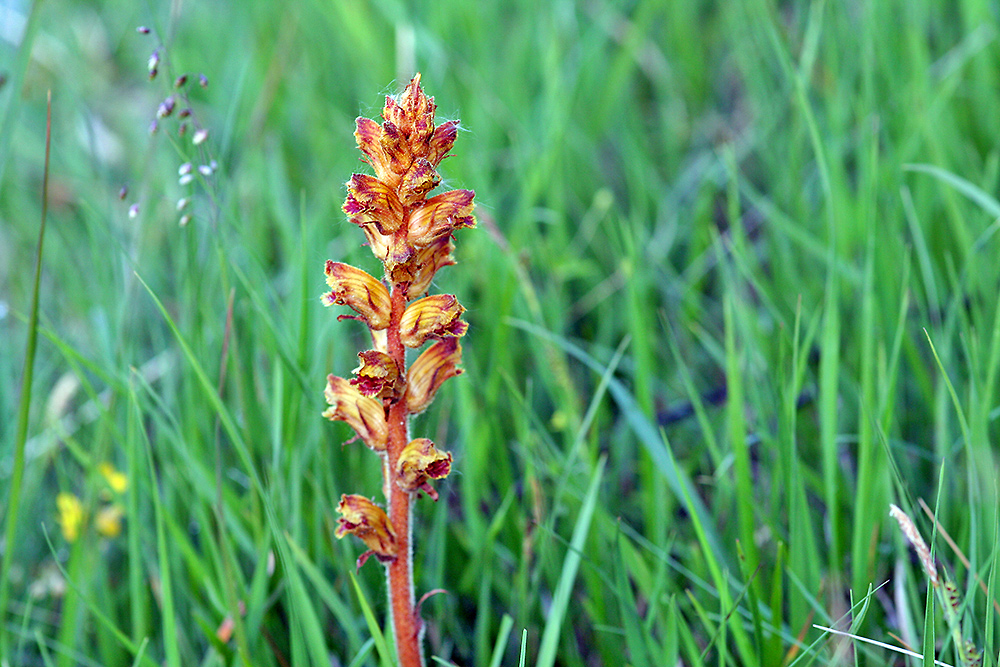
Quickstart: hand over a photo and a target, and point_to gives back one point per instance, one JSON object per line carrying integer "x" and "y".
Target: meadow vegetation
{"x": 733, "y": 290}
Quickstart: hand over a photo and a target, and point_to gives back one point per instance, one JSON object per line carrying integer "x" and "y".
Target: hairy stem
{"x": 405, "y": 623}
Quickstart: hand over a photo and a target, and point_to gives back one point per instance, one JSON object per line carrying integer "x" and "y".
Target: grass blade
{"x": 560, "y": 600}
{"x": 24, "y": 404}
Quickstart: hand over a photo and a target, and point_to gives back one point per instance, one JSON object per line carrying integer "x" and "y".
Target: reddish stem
{"x": 406, "y": 624}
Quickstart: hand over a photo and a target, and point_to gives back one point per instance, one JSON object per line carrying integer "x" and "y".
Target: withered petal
{"x": 368, "y": 522}
{"x": 419, "y": 462}
{"x": 377, "y": 376}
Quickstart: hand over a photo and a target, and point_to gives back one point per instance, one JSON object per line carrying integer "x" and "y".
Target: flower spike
{"x": 412, "y": 234}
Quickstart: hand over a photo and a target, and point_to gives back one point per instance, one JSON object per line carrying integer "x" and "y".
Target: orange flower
{"x": 428, "y": 261}
{"x": 354, "y": 288}
{"x": 419, "y": 463}
{"x": 437, "y": 363}
{"x": 420, "y": 179}
{"x": 442, "y": 141}
{"x": 440, "y": 216}
{"x": 436, "y": 316}
{"x": 365, "y": 415}
{"x": 370, "y": 201}
{"x": 369, "y": 523}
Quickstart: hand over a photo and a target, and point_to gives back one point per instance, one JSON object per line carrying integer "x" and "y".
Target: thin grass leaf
{"x": 506, "y": 623}
{"x": 305, "y": 624}
{"x": 635, "y": 636}
{"x": 27, "y": 378}
{"x": 101, "y": 617}
{"x": 928, "y": 635}
{"x": 169, "y": 619}
{"x": 384, "y": 652}
{"x": 363, "y": 653}
{"x": 560, "y": 600}
{"x": 340, "y": 609}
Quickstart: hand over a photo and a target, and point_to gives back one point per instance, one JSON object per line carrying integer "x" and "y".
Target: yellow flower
{"x": 71, "y": 515}
{"x": 108, "y": 521}
{"x": 355, "y": 288}
{"x": 115, "y": 479}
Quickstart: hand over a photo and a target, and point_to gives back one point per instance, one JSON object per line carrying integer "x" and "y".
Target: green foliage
{"x": 733, "y": 291}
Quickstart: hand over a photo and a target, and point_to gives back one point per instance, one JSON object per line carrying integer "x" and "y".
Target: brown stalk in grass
{"x": 411, "y": 235}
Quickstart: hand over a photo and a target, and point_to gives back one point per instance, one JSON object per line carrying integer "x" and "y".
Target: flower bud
{"x": 420, "y": 179}
{"x": 166, "y": 107}
{"x": 442, "y": 141}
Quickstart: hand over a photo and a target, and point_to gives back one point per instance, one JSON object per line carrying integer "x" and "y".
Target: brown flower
{"x": 377, "y": 376}
{"x": 419, "y": 463}
{"x": 365, "y": 415}
{"x": 368, "y": 522}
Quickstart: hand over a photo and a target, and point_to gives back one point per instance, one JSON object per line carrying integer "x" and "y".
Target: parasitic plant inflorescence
{"x": 411, "y": 235}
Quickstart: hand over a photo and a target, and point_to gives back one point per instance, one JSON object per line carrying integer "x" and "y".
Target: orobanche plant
{"x": 412, "y": 236}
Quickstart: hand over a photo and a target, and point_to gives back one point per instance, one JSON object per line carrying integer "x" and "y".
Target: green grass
{"x": 732, "y": 292}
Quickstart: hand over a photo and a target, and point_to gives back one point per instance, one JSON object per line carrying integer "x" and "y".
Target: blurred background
{"x": 732, "y": 291}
